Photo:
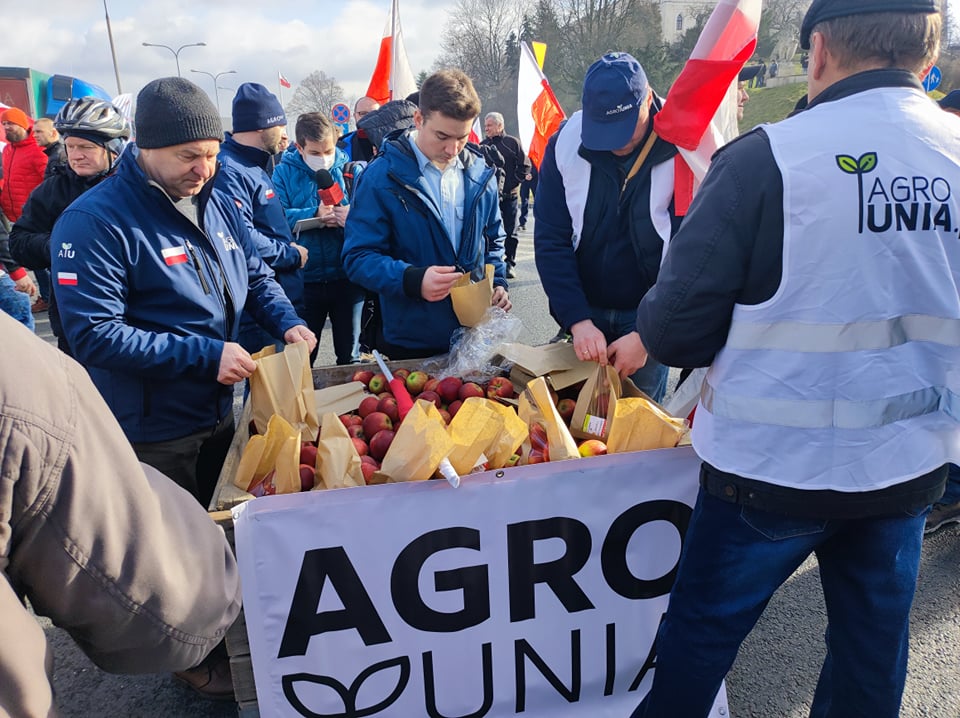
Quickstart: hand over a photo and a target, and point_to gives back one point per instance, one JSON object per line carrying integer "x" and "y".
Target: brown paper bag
{"x": 276, "y": 454}
{"x": 540, "y": 414}
{"x": 639, "y": 424}
{"x": 338, "y": 462}
{"x": 596, "y": 402}
{"x": 283, "y": 384}
{"x": 472, "y": 431}
{"x": 421, "y": 442}
{"x": 513, "y": 432}
{"x": 471, "y": 300}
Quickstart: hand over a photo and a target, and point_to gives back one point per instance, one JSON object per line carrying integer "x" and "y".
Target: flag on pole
{"x": 699, "y": 113}
{"x": 538, "y": 112}
{"x": 476, "y": 133}
{"x": 392, "y": 77}
{"x": 284, "y": 82}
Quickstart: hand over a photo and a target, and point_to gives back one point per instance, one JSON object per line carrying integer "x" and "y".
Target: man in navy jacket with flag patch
{"x": 151, "y": 296}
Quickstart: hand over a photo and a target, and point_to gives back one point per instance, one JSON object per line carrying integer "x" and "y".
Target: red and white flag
{"x": 476, "y": 132}
{"x": 538, "y": 112}
{"x": 68, "y": 278}
{"x": 174, "y": 255}
{"x": 284, "y": 82}
{"x": 699, "y": 113}
{"x": 392, "y": 77}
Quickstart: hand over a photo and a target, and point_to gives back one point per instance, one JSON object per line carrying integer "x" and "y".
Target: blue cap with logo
{"x": 613, "y": 91}
{"x": 256, "y": 108}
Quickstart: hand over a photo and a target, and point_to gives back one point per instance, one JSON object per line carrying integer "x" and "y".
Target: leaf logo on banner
{"x": 348, "y": 695}
{"x": 859, "y": 167}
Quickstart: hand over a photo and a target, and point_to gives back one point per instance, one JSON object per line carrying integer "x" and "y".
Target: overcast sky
{"x": 257, "y": 39}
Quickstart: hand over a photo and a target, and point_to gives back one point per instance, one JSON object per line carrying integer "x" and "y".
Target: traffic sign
{"x": 340, "y": 113}
{"x": 932, "y": 80}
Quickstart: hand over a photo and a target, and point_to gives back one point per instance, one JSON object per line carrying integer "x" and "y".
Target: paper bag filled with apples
{"x": 640, "y": 423}
{"x": 270, "y": 462}
{"x": 549, "y": 438}
{"x": 338, "y": 462}
{"x": 419, "y": 445}
{"x": 596, "y": 403}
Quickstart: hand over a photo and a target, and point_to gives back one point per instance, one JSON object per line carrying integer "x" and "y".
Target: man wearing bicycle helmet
{"x": 95, "y": 134}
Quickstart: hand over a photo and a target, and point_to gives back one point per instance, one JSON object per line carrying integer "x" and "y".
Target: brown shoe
{"x": 40, "y": 306}
{"x": 212, "y": 680}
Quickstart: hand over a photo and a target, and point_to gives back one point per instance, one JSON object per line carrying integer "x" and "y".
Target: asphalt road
{"x": 774, "y": 675}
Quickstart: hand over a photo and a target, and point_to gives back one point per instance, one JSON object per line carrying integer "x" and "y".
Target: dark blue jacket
{"x": 243, "y": 177}
{"x": 394, "y": 232}
{"x": 148, "y": 298}
{"x": 297, "y": 192}
{"x": 618, "y": 256}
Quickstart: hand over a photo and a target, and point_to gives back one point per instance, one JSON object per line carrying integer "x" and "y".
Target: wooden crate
{"x": 226, "y": 496}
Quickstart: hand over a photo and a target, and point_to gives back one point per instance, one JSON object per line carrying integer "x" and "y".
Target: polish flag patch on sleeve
{"x": 174, "y": 255}
{"x": 68, "y": 278}
{"x": 270, "y": 193}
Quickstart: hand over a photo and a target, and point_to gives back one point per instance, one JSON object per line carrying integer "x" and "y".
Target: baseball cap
{"x": 613, "y": 90}
{"x": 822, "y": 10}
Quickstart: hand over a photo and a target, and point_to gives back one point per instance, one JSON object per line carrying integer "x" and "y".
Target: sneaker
{"x": 511, "y": 272}
{"x": 523, "y": 227}
{"x": 212, "y": 680}
{"x": 941, "y": 515}
{"x": 40, "y": 306}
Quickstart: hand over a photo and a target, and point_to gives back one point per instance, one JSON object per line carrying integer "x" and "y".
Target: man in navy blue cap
{"x": 817, "y": 275}
{"x": 259, "y": 133}
{"x": 604, "y": 213}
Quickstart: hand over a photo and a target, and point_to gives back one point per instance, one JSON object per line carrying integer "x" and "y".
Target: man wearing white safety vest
{"x": 817, "y": 276}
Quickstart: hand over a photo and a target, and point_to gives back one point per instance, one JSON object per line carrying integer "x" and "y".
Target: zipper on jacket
{"x": 196, "y": 266}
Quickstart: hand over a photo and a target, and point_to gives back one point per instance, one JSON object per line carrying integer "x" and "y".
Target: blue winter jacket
{"x": 297, "y": 191}
{"x": 394, "y": 232}
{"x": 147, "y": 300}
{"x": 244, "y": 179}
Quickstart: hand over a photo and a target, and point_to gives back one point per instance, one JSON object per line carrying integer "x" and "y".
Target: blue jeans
{"x": 342, "y": 301}
{"x": 651, "y": 378}
{"x": 14, "y": 303}
{"x": 735, "y": 557}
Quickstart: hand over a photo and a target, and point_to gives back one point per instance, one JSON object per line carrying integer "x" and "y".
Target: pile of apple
{"x": 373, "y": 426}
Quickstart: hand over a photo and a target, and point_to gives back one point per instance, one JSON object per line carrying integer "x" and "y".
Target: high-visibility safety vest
{"x": 848, "y": 378}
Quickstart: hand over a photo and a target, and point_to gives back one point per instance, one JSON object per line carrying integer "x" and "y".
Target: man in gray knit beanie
{"x": 159, "y": 270}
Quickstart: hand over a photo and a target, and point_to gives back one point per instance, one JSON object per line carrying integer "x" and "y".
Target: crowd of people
{"x": 827, "y": 424}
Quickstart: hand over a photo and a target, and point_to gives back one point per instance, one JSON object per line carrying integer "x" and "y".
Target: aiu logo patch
{"x": 66, "y": 251}
{"x": 899, "y": 203}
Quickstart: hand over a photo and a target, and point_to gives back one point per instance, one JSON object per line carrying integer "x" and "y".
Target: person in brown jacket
{"x": 111, "y": 550}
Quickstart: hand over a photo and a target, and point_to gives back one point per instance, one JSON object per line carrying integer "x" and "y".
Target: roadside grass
{"x": 770, "y": 104}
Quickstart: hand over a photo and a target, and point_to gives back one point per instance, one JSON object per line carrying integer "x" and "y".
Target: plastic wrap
{"x": 473, "y": 349}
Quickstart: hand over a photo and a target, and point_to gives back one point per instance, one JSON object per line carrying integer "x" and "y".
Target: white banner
{"x": 535, "y": 591}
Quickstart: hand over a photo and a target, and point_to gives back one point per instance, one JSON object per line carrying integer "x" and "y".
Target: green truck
{"x": 42, "y": 95}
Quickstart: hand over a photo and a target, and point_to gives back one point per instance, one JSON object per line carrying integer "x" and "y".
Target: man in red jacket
{"x": 24, "y": 163}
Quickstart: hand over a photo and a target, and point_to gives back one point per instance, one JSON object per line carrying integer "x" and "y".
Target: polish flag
{"x": 392, "y": 77}
{"x": 270, "y": 194}
{"x": 69, "y": 278}
{"x": 476, "y": 132}
{"x": 699, "y": 114}
{"x": 174, "y": 255}
{"x": 538, "y": 112}
{"x": 284, "y": 82}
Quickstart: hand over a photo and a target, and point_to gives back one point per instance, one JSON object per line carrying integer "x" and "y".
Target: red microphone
{"x": 329, "y": 191}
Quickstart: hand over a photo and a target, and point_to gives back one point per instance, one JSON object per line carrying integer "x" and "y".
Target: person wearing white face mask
{"x": 327, "y": 291}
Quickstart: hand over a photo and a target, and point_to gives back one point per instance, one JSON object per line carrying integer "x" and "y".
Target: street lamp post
{"x": 216, "y": 88}
{"x": 176, "y": 53}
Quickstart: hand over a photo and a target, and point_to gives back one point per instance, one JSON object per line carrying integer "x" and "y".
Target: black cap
{"x": 830, "y": 9}
{"x": 748, "y": 73}
{"x": 173, "y": 111}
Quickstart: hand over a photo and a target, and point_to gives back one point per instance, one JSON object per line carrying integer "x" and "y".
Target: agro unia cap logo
{"x": 901, "y": 203}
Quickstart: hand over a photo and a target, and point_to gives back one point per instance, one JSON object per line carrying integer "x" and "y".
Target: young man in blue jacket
{"x": 159, "y": 268}
{"x": 604, "y": 213}
{"x": 260, "y": 132}
{"x": 426, "y": 212}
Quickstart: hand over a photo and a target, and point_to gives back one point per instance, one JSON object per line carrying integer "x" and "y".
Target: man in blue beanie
{"x": 259, "y": 133}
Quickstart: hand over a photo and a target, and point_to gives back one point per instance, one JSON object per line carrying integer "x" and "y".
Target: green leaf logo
{"x": 867, "y": 161}
{"x": 859, "y": 167}
{"x": 848, "y": 164}
{"x": 65, "y": 245}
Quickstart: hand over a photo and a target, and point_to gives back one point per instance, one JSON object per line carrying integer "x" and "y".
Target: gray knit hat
{"x": 172, "y": 111}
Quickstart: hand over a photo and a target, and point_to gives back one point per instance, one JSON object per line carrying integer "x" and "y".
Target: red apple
{"x": 432, "y": 384}
{"x": 470, "y": 389}
{"x": 445, "y": 415}
{"x": 430, "y": 395}
{"x": 593, "y": 447}
{"x": 363, "y": 376}
{"x": 401, "y": 374}
{"x": 308, "y": 454}
{"x": 566, "y": 407}
{"x": 500, "y": 388}
{"x": 368, "y": 406}
{"x": 377, "y": 384}
{"x": 380, "y": 443}
{"x": 449, "y": 388}
{"x": 346, "y": 419}
{"x": 360, "y": 445}
{"x": 376, "y": 422}
{"x": 264, "y": 487}
{"x": 356, "y": 431}
{"x": 415, "y": 382}
{"x": 388, "y": 405}
{"x": 369, "y": 466}
{"x": 454, "y": 407}
{"x": 308, "y": 475}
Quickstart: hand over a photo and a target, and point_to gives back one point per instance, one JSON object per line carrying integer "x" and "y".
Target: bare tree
{"x": 317, "y": 93}
{"x": 779, "y": 31}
